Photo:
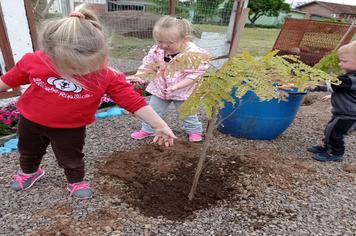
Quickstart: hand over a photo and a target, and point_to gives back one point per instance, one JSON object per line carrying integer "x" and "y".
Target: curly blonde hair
{"x": 167, "y": 23}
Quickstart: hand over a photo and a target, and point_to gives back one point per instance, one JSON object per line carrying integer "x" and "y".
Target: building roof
{"x": 334, "y": 7}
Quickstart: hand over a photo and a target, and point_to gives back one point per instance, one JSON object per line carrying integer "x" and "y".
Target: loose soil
{"x": 158, "y": 179}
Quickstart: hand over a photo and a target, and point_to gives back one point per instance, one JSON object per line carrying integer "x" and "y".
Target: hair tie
{"x": 77, "y": 14}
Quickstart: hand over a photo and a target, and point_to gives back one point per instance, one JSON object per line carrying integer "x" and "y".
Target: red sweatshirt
{"x": 58, "y": 103}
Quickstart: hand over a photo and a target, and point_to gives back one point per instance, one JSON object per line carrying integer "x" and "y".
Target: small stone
{"x": 351, "y": 168}
{"x": 108, "y": 229}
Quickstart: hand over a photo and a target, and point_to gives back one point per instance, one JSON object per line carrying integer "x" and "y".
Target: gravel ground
{"x": 324, "y": 205}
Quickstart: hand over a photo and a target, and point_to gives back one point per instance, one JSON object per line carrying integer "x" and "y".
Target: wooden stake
{"x": 202, "y": 158}
{"x": 347, "y": 36}
{"x": 239, "y": 28}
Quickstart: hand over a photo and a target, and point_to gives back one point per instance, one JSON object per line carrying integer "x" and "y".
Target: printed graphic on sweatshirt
{"x": 62, "y": 87}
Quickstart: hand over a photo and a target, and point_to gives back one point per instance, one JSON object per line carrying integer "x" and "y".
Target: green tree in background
{"x": 259, "y": 8}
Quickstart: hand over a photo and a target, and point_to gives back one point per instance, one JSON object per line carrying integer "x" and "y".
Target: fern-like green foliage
{"x": 246, "y": 72}
{"x": 184, "y": 61}
{"x": 330, "y": 64}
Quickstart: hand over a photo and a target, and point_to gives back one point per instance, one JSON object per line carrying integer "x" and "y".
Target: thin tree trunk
{"x": 347, "y": 35}
{"x": 202, "y": 158}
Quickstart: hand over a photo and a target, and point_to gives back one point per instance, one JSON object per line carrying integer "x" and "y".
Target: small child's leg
{"x": 192, "y": 126}
{"x": 335, "y": 132}
{"x": 67, "y": 145}
{"x": 32, "y": 146}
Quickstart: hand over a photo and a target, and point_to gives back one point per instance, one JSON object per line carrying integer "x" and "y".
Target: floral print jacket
{"x": 163, "y": 80}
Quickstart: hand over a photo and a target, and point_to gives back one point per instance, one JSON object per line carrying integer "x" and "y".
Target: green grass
{"x": 210, "y": 28}
{"x": 129, "y": 47}
{"x": 258, "y": 41}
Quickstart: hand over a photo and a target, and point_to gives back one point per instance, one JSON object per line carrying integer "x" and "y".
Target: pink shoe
{"x": 141, "y": 134}
{"x": 195, "y": 137}
{"x": 22, "y": 181}
{"x": 80, "y": 190}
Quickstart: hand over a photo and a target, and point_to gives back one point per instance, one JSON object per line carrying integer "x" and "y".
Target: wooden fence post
{"x": 172, "y": 7}
{"x": 16, "y": 37}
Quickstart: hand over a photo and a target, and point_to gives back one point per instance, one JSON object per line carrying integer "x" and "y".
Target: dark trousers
{"x": 67, "y": 145}
{"x": 335, "y": 132}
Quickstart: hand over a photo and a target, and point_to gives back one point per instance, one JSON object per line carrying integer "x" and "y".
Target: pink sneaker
{"x": 22, "y": 181}
{"x": 141, "y": 134}
{"x": 195, "y": 137}
{"x": 80, "y": 190}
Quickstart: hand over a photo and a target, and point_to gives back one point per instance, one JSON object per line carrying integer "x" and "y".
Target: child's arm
{"x": 190, "y": 76}
{"x": 326, "y": 98}
{"x": 164, "y": 134}
{"x": 148, "y": 68}
{"x": 123, "y": 95}
{"x": 18, "y": 74}
{"x": 286, "y": 86}
{"x": 134, "y": 79}
{"x": 182, "y": 84}
{"x": 3, "y": 86}
{"x": 348, "y": 83}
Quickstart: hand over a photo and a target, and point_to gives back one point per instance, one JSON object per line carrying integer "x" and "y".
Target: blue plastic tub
{"x": 251, "y": 118}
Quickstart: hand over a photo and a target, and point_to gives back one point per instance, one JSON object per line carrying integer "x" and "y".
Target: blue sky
{"x": 348, "y": 2}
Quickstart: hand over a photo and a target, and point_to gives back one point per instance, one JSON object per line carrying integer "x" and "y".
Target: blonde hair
{"x": 75, "y": 44}
{"x": 349, "y": 48}
{"x": 165, "y": 23}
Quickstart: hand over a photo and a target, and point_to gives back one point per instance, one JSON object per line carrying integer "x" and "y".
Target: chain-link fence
{"x": 129, "y": 23}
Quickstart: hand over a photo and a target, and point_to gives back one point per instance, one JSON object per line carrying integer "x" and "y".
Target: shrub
{"x": 9, "y": 117}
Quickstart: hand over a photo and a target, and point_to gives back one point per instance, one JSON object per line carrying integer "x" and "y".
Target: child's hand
{"x": 134, "y": 78}
{"x": 170, "y": 89}
{"x": 164, "y": 136}
{"x": 325, "y": 98}
{"x": 286, "y": 86}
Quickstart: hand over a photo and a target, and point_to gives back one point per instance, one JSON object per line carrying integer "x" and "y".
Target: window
{"x": 117, "y": 7}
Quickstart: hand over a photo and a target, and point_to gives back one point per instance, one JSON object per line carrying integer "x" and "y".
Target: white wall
{"x": 17, "y": 27}
{"x": 2, "y": 62}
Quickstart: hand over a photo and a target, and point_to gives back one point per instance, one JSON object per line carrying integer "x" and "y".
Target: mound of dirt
{"x": 158, "y": 179}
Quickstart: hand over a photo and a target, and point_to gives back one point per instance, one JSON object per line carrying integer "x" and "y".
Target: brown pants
{"x": 67, "y": 145}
